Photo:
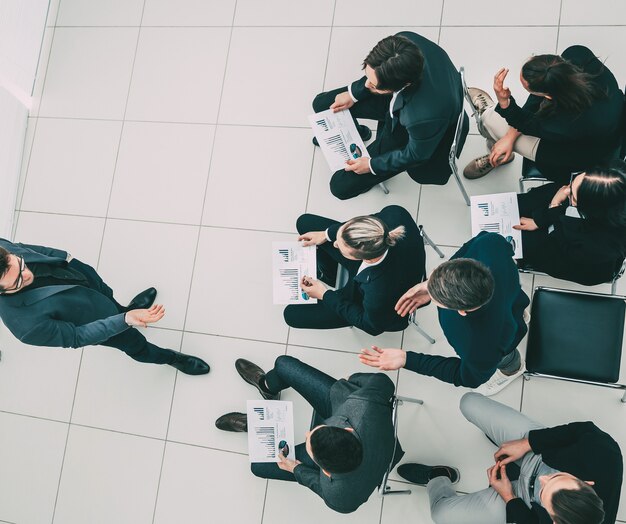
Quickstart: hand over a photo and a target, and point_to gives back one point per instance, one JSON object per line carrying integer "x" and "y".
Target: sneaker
{"x": 499, "y": 381}
{"x": 422, "y": 474}
{"x": 479, "y": 167}
{"x": 364, "y": 131}
{"x": 480, "y": 99}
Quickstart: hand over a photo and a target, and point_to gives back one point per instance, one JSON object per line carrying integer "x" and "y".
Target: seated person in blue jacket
{"x": 569, "y": 474}
{"x": 481, "y": 311}
{"x": 351, "y": 442}
{"x": 570, "y": 122}
{"x": 577, "y": 232}
{"x": 49, "y": 298}
{"x": 414, "y": 92}
{"x": 383, "y": 254}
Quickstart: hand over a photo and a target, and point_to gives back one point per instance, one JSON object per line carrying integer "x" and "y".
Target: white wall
{"x": 22, "y": 24}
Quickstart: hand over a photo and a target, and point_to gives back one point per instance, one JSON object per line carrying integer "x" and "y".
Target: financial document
{"x": 497, "y": 213}
{"x": 270, "y": 430}
{"x": 338, "y": 137}
{"x": 290, "y": 262}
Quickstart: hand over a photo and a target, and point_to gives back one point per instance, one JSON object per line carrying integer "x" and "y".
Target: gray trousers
{"x": 501, "y": 424}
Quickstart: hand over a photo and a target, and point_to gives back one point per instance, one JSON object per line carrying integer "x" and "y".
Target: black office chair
{"x": 576, "y": 336}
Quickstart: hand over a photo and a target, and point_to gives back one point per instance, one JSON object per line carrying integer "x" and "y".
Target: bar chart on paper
{"x": 497, "y": 213}
{"x": 270, "y": 427}
{"x": 290, "y": 262}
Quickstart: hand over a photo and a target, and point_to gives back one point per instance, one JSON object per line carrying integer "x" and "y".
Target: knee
{"x": 320, "y": 103}
{"x": 284, "y": 361}
{"x": 258, "y": 469}
{"x": 339, "y": 188}
{"x": 291, "y": 316}
{"x": 468, "y": 403}
{"x": 303, "y": 224}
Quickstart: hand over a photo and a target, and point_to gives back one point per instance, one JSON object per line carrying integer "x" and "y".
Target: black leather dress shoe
{"x": 190, "y": 365}
{"x": 236, "y": 422}
{"x": 253, "y": 374}
{"x": 422, "y": 474}
{"x": 143, "y": 300}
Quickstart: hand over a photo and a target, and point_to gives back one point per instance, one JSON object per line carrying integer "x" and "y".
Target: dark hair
{"x": 461, "y": 284}
{"x": 335, "y": 449}
{"x": 601, "y": 196}
{"x": 4, "y": 263}
{"x": 369, "y": 236}
{"x": 577, "y": 506}
{"x": 571, "y": 89}
{"x": 397, "y": 62}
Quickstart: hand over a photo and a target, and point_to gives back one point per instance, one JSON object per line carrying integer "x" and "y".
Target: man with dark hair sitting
{"x": 569, "y": 474}
{"x": 413, "y": 90}
{"x": 351, "y": 442}
{"x": 481, "y": 312}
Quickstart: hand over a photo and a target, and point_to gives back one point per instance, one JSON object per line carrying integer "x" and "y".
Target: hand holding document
{"x": 291, "y": 262}
{"x": 270, "y": 430}
{"x": 497, "y": 213}
{"x": 338, "y": 137}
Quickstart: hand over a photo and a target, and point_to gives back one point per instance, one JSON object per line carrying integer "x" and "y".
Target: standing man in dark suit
{"x": 481, "y": 312}
{"x": 49, "y": 298}
{"x": 351, "y": 442}
{"x": 414, "y": 91}
{"x": 383, "y": 254}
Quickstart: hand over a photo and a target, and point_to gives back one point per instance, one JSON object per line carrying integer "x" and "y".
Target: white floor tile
{"x": 62, "y": 232}
{"x": 604, "y": 12}
{"x": 252, "y": 88}
{"x": 161, "y": 172}
{"x": 188, "y": 13}
{"x": 100, "y": 13}
{"x": 115, "y": 392}
{"x": 139, "y": 255}
{"x": 89, "y": 72}
{"x": 199, "y": 402}
{"x": 490, "y": 12}
{"x": 284, "y": 13}
{"x": 413, "y": 508}
{"x": 342, "y": 339}
{"x": 31, "y": 451}
{"x": 396, "y": 12}
{"x": 37, "y": 381}
{"x": 71, "y": 166}
{"x": 178, "y": 74}
{"x": 350, "y": 45}
{"x": 202, "y": 485}
{"x": 271, "y": 199}
{"x": 42, "y": 65}
{"x": 108, "y": 477}
{"x": 229, "y": 297}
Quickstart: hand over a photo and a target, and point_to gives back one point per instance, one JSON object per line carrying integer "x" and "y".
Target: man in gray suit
{"x": 48, "y": 298}
{"x": 351, "y": 442}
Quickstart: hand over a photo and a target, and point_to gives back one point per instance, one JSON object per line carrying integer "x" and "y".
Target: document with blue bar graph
{"x": 497, "y": 213}
{"x": 290, "y": 262}
{"x": 270, "y": 430}
{"x": 337, "y": 137}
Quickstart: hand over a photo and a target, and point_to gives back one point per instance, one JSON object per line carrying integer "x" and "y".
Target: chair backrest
{"x": 576, "y": 335}
{"x": 468, "y": 98}
{"x": 454, "y": 149}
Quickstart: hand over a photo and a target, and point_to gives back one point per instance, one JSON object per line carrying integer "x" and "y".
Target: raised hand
{"x": 383, "y": 359}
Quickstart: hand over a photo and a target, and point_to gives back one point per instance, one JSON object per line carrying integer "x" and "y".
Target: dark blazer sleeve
{"x": 376, "y": 386}
{"x": 43, "y": 250}
{"x": 56, "y": 333}
{"x": 453, "y": 370}
{"x": 522, "y": 119}
{"x": 542, "y": 440}
{"x": 369, "y": 316}
{"x": 358, "y": 89}
{"x": 519, "y": 513}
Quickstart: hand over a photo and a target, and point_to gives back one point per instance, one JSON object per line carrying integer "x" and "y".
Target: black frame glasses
{"x": 19, "y": 281}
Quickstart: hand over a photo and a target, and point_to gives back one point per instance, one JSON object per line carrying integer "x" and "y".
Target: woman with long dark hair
{"x": 577, "y": 232}
{"x": 571, "y": 121}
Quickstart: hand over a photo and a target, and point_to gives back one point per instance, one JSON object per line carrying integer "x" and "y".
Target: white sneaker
{"x": 499, "y": 381}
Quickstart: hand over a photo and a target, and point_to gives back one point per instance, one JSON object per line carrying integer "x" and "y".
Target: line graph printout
{"x": 497, "y": 213}
{"x": 290, "y": 262}
{"x": 338, "y": 137}
{"x": 270, "y": 430}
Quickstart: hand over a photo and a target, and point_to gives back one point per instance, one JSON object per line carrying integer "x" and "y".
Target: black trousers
{"x": 346, "y": 184}
{"x": 318, "y": 316}
{"x": 131, "y": 342}
{"x": 314, "y": 386}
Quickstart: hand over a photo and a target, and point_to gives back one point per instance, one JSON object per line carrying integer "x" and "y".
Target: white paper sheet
{"x": 290, "y": 262}
{"x": 338, "y": 137}
{"x": 270, "y": 430}
{"x": 497, "y": 213}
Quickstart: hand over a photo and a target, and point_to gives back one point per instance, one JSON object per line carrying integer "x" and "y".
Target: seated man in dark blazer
{"x": 481, "y": 312}
{"x": 570, "y": 474}
{"x": 49, "y": 298}
{"x": 383, "y": 254}
{"x": 414, "y": 91}
{"x": 351, "y": 442}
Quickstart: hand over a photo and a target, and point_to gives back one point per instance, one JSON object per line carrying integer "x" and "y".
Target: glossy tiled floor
{"x": 168, "y": 146}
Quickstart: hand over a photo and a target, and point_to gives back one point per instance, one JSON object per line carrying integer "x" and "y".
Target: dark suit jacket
{"x": 583, "y": 450}
{"x": 368, "y": 300}
{"x": 58, "y": 316}
{"x": 425, "y": 111}
{"x": 362, "y": 403}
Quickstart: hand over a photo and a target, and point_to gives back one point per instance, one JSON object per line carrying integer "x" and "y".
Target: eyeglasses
{"x": 20, "y": 279}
